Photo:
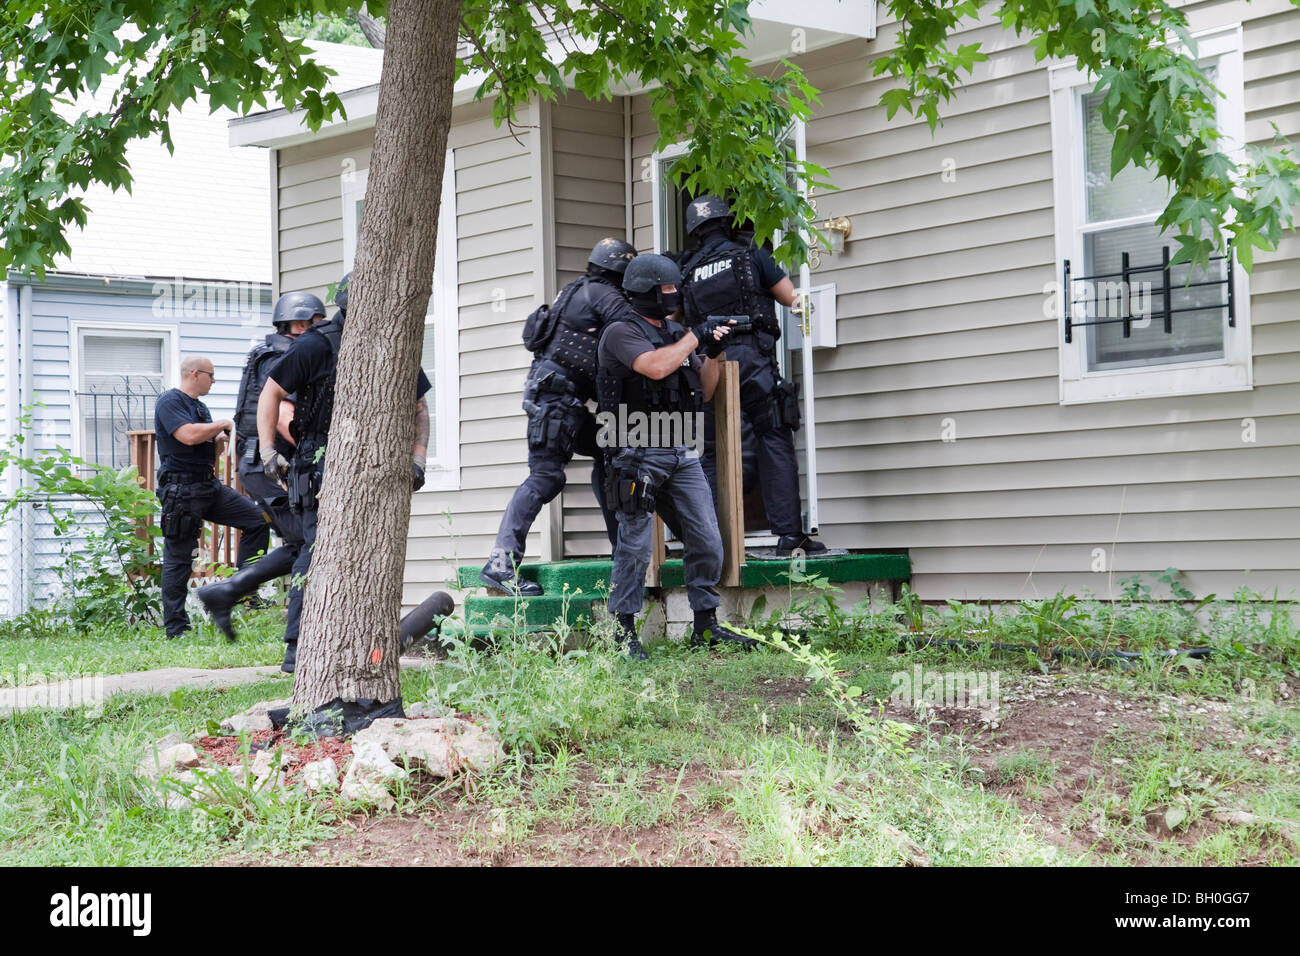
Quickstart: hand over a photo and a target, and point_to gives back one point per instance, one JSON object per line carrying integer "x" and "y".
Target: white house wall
{"x": 940, "y": 303}
{"x": 590, "y": 174}
{"x": 497, "y": 216}
{"x": 222, "y": 335}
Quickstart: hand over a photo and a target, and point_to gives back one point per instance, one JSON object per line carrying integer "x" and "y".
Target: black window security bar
{"x": 109, "y": 409}
{"x": 1166, "y": 291}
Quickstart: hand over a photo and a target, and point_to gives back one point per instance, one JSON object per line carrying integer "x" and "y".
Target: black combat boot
{"x": 788, "y": 543}
{"x": 707, "y": 630}
{"x": 290, "y": 656}
{"x": 220, "y": 596}
{"x": 627, "y": 638}
{"x": 499, "y": 574}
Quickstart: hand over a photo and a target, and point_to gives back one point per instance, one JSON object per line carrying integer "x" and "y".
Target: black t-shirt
{"x": 310, "y": 361}
{"x": 173, "y": 410}
{"x": 622, "y": 342}
{"x": 769, "y": 273}
{"x": 609, "y": 303}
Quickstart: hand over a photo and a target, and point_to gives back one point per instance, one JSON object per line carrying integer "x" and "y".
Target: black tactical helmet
{"x": 612, "y": 255}
{"x": 647, "y": 272}
{"x": 341, "y": 294}
{"x": 296, "y": 307}
{"x": 706, "y": 209}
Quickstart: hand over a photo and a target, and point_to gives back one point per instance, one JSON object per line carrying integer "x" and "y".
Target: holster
{"x": 785, "y": 406}
{"x": 551, "y": 425}
{"x": 178, "y": 519}
{"x": 304, "y": 486}
{"x": 629, "y": 489}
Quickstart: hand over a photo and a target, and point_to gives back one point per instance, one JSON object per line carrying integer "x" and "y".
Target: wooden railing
{"x": 219, "y": 544}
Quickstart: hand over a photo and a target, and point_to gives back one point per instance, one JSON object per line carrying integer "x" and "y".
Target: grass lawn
{"x": 768, "y": 757}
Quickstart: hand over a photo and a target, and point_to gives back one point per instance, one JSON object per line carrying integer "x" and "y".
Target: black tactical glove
{"x": 704, "y": 332}
{"x": 417, "y": 475}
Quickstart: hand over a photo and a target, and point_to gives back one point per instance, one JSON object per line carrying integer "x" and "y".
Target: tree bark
{"x": 371, "y": 28}
{"x": 348, "y": 645}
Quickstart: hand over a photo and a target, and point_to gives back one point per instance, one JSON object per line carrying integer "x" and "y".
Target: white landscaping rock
{"x": 321, "y": 775}
{"x": 155, "y": 763}
{"x": 254, "y": 719}
{"x": 369, "y": 774}
{"x": 442, "y": 745}
{"x": 264, "y": 763}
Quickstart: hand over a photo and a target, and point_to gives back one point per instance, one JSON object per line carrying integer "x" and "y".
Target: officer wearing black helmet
{"x": 294, "y": 314}
{"x": 724, "y": 276}
{"x": 307, "y": 371}
{"x": 651, "y": 387}
{"x": 562, "y": 380}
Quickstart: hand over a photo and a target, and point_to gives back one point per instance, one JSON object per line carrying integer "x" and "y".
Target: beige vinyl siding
{"x": 496, "y": 216}
{"x": 589, "y": 173}
{"x": 941, "y": 316}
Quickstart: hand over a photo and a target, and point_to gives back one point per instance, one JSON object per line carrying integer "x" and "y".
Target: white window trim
{"x": 442, "y": 473}
{"x": 656, "y": 187}
{"x": 1233, "y": 372}
{"x": 171, "y": 363}
{"x": 656, "y": 184}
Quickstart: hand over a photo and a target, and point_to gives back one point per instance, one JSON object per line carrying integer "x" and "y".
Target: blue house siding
{"x": 221, "y": 320}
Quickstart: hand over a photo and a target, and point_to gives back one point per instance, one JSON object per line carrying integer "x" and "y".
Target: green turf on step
{"x": 838, "y": 570}
{"x": 552, "y": 576}
{"x": 539, "y": 611}
{"x": 587, "y": 574}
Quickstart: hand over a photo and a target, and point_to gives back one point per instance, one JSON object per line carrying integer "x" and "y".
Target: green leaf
{"x": 1175, "y": 817}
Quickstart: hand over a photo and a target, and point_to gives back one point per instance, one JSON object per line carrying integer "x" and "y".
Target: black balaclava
{"x": 656, "y": 303}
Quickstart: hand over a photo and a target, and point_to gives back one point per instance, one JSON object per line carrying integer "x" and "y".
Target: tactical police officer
{"x": 651, "y": 387}
{"x": 724, "y": 276}
{"x": 561, "y": 381}
{"x": 294, "y": 314}
{"x": 307, "y": 370}
{"x": 188, "y": 444}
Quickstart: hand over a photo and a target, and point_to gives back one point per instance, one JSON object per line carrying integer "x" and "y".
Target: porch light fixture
{"x": 837, "y": 230}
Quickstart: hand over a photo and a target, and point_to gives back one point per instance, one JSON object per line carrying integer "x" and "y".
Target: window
{"x": 1131, "y": 328}
{"x": 120, "y": 373}
{"x": 440, "y": 354}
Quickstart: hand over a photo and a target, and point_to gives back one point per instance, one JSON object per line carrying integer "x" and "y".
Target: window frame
{"x": 442, "y": 470}
{"x": 1079, "y": 385}
{"x": 78, "y": 330}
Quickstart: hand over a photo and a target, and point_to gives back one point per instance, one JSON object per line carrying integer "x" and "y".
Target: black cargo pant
{"x": 768, "y": 451}
{"x": 561, "y": 427}
{"x": 206, "y": 500}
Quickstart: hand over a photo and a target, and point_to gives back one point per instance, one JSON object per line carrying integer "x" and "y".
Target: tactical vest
{"x": 315, "y": 400}
{"x": 573, "y": 345}
{"x": 679, "y": 392}
{"x": 256, "y": 369}
{"x": 721, "y": 278}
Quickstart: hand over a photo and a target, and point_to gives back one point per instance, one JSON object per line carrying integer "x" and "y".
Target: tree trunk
{"x": 348, "y": 645}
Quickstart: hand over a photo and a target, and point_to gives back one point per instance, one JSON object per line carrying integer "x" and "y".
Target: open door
{"x": 670, "y": 204}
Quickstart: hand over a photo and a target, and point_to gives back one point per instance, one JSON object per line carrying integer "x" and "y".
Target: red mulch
{"x": 225, "y": 750}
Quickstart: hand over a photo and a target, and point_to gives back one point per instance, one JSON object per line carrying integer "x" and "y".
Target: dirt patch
{"x": 1050, "y": 744}
{"x": 453, "y": 830}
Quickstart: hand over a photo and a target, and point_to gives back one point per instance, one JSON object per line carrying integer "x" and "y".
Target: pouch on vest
{"x": 540, "y": 325}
